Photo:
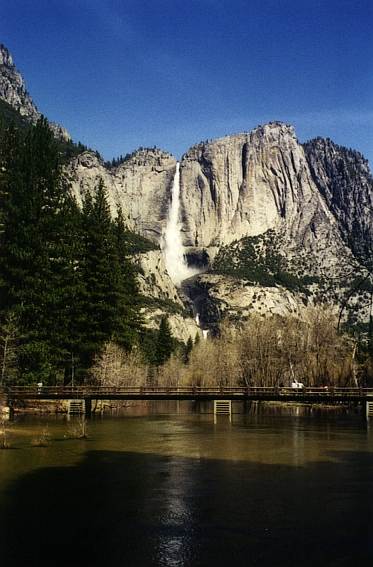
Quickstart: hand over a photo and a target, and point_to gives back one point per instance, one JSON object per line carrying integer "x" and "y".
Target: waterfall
{"x": 175, "y": 260}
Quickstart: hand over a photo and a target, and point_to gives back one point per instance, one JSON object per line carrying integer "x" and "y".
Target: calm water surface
{"x": 176, "y": 489}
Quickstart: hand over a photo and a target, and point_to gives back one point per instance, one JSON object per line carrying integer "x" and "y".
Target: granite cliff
{"x": 247, "y": 184}
{"x": 140, "y": 186}
{"x": 344, "y": 180}
{"x": 269, "y": 211}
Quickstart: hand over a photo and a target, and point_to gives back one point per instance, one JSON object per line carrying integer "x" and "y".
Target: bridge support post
{"x": 76, "y": 407}
{"x": 5, "y": 403}
{"x": 88, "y": 407}
{"x": 222, "y": 407}
{"x": 369, "y": 409}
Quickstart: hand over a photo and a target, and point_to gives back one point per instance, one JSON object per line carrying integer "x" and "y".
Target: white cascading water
{"x": 175, "y": 260}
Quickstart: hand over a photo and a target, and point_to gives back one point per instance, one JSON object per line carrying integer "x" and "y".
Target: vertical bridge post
{"x": 369, "y": 409}
{"x": 223, "y": 407}
{"x": 76, "y": 407}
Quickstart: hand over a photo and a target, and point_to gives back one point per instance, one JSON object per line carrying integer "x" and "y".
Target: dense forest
{"x": 67, "y": 283}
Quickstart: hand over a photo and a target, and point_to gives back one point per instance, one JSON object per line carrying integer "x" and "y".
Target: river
{"x": 275, "y": 487}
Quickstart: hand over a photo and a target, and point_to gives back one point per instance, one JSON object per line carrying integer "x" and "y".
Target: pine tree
{"x": 71, "y": 287}
{"x": 98, "y": 303}
{"x": 165, "y": 343}
{"x": 64, "y": 274}
{"x": 188, "y": 347}
{"x": 110, "y": 300}
{"x": 128, "y": 324}
{"x": 32, "y": 258}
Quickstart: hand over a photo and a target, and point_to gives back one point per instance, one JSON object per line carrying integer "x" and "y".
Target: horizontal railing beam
{"x": 327, "y": 393}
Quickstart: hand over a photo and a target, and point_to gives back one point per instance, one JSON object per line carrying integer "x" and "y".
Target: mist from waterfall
{"x": 175, "y": 260}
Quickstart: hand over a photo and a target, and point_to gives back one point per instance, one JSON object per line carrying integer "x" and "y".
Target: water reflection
{"x": 269, "y": 489}
{"x": 174, "y": 541}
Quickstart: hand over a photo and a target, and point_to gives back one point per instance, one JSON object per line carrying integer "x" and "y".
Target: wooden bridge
{"x": 320, "y": 395}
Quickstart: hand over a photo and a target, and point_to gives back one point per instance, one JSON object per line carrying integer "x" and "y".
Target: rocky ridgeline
{"x": 345, "y": 182}
{"x": 13, "y": 91}
{"x": 12, "y": 87}
{"x": 297, "y": 207}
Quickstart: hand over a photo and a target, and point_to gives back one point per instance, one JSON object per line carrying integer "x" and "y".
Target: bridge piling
{"x": 222, "y": 407}
{"x": 369, "y": 409}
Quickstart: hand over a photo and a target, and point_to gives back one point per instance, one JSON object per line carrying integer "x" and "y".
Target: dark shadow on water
{"x": 130, "y": 509}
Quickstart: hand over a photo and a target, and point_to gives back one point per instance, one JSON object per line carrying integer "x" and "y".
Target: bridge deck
{"x": 307, "y": 395}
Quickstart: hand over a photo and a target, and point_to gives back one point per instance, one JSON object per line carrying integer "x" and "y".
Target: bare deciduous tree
{"x": 116, "y": 367}
{"x": 260, "y": 352}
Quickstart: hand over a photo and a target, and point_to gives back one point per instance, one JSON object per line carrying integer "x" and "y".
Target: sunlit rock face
{"x": 239, "y": 297}
{"x": 141, "y": 186}
{"x": 153, "y": 278}
{"x": 163, "y": 297}
{"x": 247, "y": 184}
{"x": 244, "y": 185}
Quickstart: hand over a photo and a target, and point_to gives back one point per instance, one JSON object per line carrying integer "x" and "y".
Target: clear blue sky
{"x": 119, "y": 74}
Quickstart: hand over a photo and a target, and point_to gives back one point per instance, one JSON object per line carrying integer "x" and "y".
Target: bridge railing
{"x": 260, "y": 391}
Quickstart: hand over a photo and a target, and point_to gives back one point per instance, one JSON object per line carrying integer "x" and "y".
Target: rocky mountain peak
{"x": 147, "y": 157}
{"x": 5, "y": 56}
{"x": 88, "y": 159}
{"x": 331, "y": 150}
{"x": 139, "y": 183}
{"x": 243, "y": 185}
{"x": 273, "y": 133}
{"x": 13, "y": 91}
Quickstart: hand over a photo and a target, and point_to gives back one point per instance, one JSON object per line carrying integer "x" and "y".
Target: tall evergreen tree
{"x": 65, "y": 275}
{"x": 129, "y": 322}
{"x": 98, "y": 303}
{"x": 165, "y": 342}
{"x": 33, "y": 262}
{"x": 110, "y": 304}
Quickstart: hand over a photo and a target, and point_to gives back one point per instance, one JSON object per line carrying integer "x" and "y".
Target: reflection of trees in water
{"x": 144, "y": 509}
